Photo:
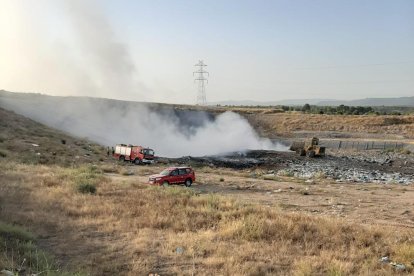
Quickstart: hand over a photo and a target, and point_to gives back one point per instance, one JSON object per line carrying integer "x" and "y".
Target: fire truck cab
{"x": 135, "y": 154}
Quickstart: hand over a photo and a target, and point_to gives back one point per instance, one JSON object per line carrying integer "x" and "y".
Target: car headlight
{"x": 158, "y": 179}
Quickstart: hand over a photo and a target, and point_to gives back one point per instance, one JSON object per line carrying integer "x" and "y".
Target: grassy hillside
{"x": 27, "y": 141}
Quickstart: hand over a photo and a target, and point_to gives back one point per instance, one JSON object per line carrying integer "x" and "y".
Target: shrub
{"x": 221, "y": 179}
{"x": 13, "y": 232}
{"x": 285, "y": 173}
{"x": 126, "y": 172}
{"x": 3, "y": 153}
{"x": 110, "y": 169}
{"x": 86, "y": 188}
{"x": 21, "y": 256}
{"x": 319, "y": 175}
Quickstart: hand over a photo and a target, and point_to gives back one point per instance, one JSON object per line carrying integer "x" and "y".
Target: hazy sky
{"x": 255, "y": 50}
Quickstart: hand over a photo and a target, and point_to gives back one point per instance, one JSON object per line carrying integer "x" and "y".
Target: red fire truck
{"x": 136, "y": 154}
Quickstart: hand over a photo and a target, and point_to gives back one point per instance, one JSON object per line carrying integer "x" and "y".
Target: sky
{"x": 255, "y": 50}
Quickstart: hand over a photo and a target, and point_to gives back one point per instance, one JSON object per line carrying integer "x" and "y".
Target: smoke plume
{"x": 169, "y": 131}
{"x": 90, "y": 60}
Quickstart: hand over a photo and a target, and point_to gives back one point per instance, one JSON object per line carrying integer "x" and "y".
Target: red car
{"x": 174, "y": 175}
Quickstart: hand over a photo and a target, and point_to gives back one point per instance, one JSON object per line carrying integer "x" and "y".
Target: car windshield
{"x": 165, "y": 172}
{"x": 148, "y": 152}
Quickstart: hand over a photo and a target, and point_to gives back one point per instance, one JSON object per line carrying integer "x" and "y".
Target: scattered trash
{"x": 7, "y": 272}
{"x": 399, "y": 267}
{"x": 35, "y": 145}
{"x": 179, "y": 250}
{"x": 385, "y": 259}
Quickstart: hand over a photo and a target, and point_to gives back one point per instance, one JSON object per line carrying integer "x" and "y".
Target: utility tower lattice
{"x": 201, "y": 79}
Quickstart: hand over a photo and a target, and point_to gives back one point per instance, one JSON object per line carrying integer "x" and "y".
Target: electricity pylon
{"x": 201, "y": 79}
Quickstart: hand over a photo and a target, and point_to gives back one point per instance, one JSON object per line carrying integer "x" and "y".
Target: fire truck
{"x": 135, "y": 154}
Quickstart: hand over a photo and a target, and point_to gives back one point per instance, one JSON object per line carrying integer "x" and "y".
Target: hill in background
{"x": 402, "y": 101}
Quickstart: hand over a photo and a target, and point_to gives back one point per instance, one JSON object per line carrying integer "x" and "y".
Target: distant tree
{"x": 306, "y": 108}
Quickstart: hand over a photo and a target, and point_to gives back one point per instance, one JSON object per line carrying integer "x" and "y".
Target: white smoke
{"x": 94, "y": 62}
{"x": 68, "y": 48}
{"x": 169, "y": 132}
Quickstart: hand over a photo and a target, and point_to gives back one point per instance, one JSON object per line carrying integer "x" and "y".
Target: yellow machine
{"x": 311, "y": 149}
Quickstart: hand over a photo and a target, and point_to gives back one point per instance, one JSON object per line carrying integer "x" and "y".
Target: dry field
{"x": 130, "y": 228}
{"x": 78, "y": 213}
{"x": 365, "y": 126}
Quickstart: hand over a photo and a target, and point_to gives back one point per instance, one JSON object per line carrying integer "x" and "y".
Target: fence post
{"x": 339, "y": 145}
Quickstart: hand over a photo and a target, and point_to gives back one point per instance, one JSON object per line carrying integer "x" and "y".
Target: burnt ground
{"x": 370, "y": 166}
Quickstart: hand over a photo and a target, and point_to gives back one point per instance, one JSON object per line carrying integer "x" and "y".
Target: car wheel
{"x": 137, "y": 161}
{"x": 188, "y": 182}
{"x": 165, "y": 184}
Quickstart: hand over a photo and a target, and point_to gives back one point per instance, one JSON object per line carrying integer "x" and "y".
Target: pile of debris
{"x": 342, "y": 168}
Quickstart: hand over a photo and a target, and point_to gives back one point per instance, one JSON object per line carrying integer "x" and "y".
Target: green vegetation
{"x": 20, "y": 255}
{"x": 3, "y": 153}
{"x": 351, "y": 110}
{"x": 330, "y": 110}
{"x": 86, "y": 188}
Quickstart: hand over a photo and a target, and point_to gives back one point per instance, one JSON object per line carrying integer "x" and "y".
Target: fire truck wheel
{"x": 137, "y": 161}
{"x": 121, "y": 158}
{"x": 188, "y": 182}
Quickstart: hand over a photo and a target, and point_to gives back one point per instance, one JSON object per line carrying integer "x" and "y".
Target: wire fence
{"x": 362, "y": 145}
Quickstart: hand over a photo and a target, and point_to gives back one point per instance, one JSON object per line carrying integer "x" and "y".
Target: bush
{"x": 3, "y": 153}
{"x": 110, "y": 169}
{"x": 13, "y": 232}
{"x": 221, "y": 179}
{"x": 21, "y": 256}
{"x": 285, "y": 173}
{"x": 87, "y": 188}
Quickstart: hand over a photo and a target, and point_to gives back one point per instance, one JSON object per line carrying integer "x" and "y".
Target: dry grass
{"x": 21, "y": 256}
{"x": 285, "y": 124}
{"x": 131, "y": 228}
{"x": 30, "y": 142}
